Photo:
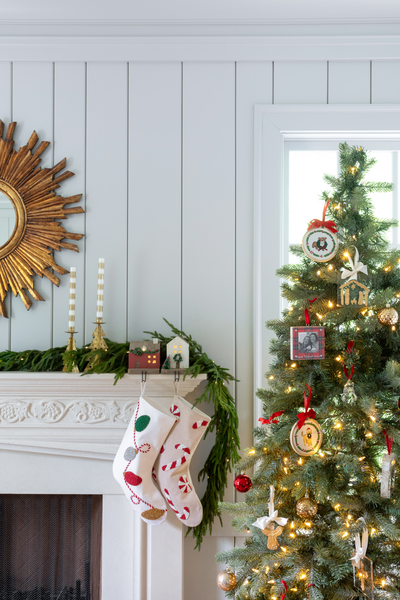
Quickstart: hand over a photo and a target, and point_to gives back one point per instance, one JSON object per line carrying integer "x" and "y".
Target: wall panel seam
{"x": 84, "y": 216}
{"x": 181, "y": 275}
{"x": 127, "y": 199}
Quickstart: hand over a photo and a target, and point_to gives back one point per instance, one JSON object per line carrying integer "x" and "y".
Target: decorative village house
{"x": 178, "y": 348}
{"x": 144, "y": 356}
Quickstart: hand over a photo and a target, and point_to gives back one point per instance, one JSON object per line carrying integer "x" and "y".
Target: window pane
{"x": 382, "y": 171}
{"x": 306, "y": 171}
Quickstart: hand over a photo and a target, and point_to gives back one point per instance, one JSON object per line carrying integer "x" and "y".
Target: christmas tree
{"x": 339, "y": 492}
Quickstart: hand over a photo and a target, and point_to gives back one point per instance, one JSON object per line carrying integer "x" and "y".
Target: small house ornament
{"x": 352, "y": 292}
{"x": 144, "y": 356}
{"x": 320, "y": 242}
{"x": 178, "y": 352}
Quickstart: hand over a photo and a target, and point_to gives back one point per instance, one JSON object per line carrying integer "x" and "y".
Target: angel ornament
{"x": 266, "y": 524}
{"x": 352, "y": 292}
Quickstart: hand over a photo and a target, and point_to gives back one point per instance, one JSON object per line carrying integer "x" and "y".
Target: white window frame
{"x": 273, "y": 125}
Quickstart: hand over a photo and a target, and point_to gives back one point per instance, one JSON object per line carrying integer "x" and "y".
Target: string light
{"x": 369, "y": 434}
{"x": 337, "y": 426}
{"x": 393, "y": 328}
{"x": 321, "y": 454}
{"x": 292, "y": 535}
{"x": 284, "y": 549}
{"x": 307, "y": 523}
{"x": 271, "y": 377}
{"x": 271, "y": 581}
{"x": 330, "y": 304}
{"x": 285, "y": 469}
{"x": 361, "y": 458}
{"x": 383, "y": 583}
{"x": 292, "y": 525}
{"x": 320, "y": 316}
{"x": 300, "y": 461}
{"x": 297, "y": 482}
{"x": 255, "y": 570}
{"x": 349, "y": 517}
{"x": 293, "y": 589}
{"x": 286, "y": 459}
{"x": 337, "y": 506}
{"x": 330, "y": 267}
{"x": 372, "y": 418}
{"x": 318, "y": 272}
{"x": 345, "y": 534}
{"x": 303, "y": 576}
{"x": 338, "y": 358}
{"x": 252, "y": 451}
{"x": 293, "y": 366}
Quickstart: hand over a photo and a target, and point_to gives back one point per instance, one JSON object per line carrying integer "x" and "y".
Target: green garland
{"x": 224, "y": 453}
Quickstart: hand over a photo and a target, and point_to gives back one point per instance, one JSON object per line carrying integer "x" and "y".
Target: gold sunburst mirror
{"x": 30, "y": 230}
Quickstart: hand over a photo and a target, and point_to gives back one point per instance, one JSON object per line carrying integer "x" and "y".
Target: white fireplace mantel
{"x": 59, "y": 433}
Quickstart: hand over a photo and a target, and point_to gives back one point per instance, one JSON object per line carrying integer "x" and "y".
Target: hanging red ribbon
{"x": 331, "y": 225}
{"x": 308, "y": 412}
{"x": 349, "y": 349}
{"x": 272, "y": 419}
{"x": 285, "y": 586}
{"x": 389, "y": 443}
{"x": 307, "y": 312}
{"x": 309, "y": 585}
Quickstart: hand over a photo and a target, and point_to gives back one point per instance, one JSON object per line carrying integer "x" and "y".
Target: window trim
{"x": 273, "y": 124}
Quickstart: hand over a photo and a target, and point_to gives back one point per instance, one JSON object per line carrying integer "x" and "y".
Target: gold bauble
{"x": 306, "y": 507}
{"x": 226, "y": 580}
{"x": 388, "y": 315}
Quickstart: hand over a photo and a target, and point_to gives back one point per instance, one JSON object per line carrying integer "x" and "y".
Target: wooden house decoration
{"x": 179, "y": 347}
{"x": 354, "y": 293}
{"x": 144, "y": 356}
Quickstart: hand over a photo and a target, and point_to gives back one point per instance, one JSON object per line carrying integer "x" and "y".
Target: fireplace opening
{"x": 50, "y": 547}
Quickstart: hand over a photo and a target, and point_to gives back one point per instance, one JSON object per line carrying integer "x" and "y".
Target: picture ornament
{"x": 306, "y": 435}
{"x": 266, "y": 524}
{"x": 349, "y": 395}
{"x": 320, "y": 242}
{"x": 388, "y": 468}
{"x": 307, "y": 343}
{"x": 352, "y": 292}
{"x": 362, "y": 566}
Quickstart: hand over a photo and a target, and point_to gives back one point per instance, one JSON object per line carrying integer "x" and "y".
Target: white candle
{"x": 72, "y": 292}
{"x": 100, "y": 289}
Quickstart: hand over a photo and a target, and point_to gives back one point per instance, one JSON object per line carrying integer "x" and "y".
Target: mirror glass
{"x": 7, "y": 218}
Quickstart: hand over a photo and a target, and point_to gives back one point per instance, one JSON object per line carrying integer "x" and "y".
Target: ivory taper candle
{"x": 72, "y": 292}
{"x": 100, "y": 289}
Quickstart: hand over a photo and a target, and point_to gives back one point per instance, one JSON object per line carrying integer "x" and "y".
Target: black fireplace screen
{"x": 49, "y": 547}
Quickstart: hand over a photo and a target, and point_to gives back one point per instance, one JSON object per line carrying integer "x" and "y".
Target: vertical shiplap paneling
{"x": 208, "y": 303}
{"x": 201, "y": 569}
{"x": 208, "y": 273}
{"x": 349, "y": 82}
{"x": 33, "y": 110}
{"x": 298, "y": 82}
{"x": 253, "y": 86}
{"x": 69, "y": 142}
{"x": 5, "y": 116}
{"x": 385, "y": 86}
{"x": 154, "y": 219}
{"x": 106, "y": 194}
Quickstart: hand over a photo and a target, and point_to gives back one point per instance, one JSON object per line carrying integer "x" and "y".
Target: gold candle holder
{"x": 71, "y": 346}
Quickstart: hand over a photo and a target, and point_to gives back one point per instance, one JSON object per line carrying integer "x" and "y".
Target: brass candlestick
{"x": 71, "y": 347}
{"x": 98, "y": 343}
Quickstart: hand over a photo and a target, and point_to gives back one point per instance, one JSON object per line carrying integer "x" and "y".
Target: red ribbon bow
{"x": 331, "y": 225}
{"x": 285, "y": 586}
{"x": 349, "y": 349}
{"x": 272, "y": 419}
{"x": 307, "y": 312}
{"x": 308, "y": 412}
{"x": 389, "y": 443}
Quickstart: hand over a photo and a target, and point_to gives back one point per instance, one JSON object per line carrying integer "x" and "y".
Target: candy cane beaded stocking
{"x": 172, "y": 465}
{"x": 133, "y": 463}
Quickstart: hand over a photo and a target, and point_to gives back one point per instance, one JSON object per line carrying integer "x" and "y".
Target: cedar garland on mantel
{"x": 223, "y": 455}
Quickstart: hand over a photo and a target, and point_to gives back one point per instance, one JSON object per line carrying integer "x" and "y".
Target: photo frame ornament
{"x": 306, "y": 435}
{"x": 37, "y": 232}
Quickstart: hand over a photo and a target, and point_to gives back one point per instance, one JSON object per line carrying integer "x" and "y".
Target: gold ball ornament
{"x": 306, "y": 507}
{"x": 388, "y": 315}
{"x": 226, "y": 580}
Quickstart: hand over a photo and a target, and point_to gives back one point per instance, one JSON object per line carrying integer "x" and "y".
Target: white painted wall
{"x": 160, "y": 136}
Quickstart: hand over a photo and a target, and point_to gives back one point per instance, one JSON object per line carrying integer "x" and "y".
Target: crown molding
{"x": 202, "y": 48}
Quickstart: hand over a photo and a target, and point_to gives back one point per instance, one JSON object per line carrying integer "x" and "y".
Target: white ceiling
{"x": 219, "y": 11}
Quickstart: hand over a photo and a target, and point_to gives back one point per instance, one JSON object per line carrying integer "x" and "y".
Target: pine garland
{"x": 224, "y": 422}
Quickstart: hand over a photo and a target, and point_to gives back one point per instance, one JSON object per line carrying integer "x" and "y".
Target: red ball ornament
{"x": 242, "y": 483}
